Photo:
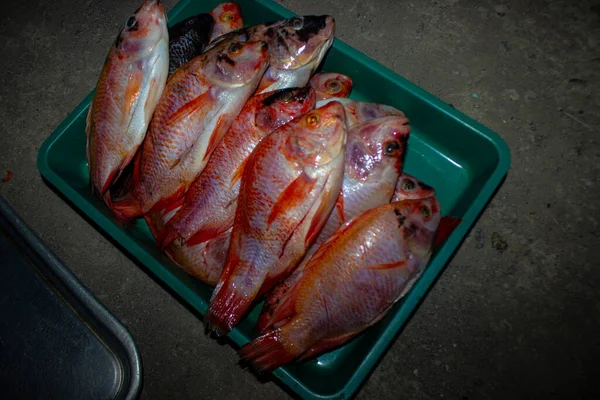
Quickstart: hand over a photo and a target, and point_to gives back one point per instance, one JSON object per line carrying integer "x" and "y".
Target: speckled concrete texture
{"x": 514, "y": 315}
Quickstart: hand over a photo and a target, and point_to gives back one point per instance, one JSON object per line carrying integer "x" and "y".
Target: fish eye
{"x": 391, "y": 148}
{"x": 408, "y": 185}
{"x": 297, "y": 23}
{"x": 425, "y": 211}
{"x": 226, "y": 17}
{"x": 312, "y": 120}
{"x": 333, "y": 86}
{"x": 131, "y": 22}
{"x": 286, "y": 97}
{"x": 235, "y": 48}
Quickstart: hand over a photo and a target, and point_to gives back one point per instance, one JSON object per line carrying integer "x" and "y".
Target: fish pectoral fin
{"x": 237, "y": 175}
{"x": 183, "y": 155}
{"x": 209, "y": 232}
{"x": 320, "y": 216}
{"x": 216, "y": 137}
{"x": 393, "y": 265}
{"x": 132, "y": 93}
{"x": 196, "y": 105}
{"x": 154, "y": 94}
{"x": 166, "y": 202}
{"x": 339, "y": 205}
{"x": 294, "y": 194}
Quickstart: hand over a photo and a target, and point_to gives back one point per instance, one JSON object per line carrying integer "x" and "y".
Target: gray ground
{"x": 515, "y": 314}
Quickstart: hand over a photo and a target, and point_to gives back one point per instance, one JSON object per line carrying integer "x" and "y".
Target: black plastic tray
{"x": 57, "y": 341}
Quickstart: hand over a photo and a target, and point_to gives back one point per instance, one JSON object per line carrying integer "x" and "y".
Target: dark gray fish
{"x": 188, "y": 38}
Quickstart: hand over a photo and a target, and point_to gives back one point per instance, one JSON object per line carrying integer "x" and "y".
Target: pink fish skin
{"x": 374, "y": 155}
{"x": 350, "y": 283}
{"x": 198, "y": 106}
{"x": 358, "y": 111}
{"x": 288, "y": 188}
{"x": 129, "y": 86}
{"x": 228, "y": 18}
{"x": 209, "y": 206}
{"x": 329, "y": 85}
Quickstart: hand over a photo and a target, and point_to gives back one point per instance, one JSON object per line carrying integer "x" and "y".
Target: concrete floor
{"x": 514, "y": 315}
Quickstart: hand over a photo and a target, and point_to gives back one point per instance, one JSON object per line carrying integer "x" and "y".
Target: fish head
{"x": 319, "y": 136}
{"x": 418, "y": 221}
{"x": 331, "y": 84}
{"x": 300, "y": 41}
{"x": 376, "y": 148}
{"x": 143, "y": 30}
{"x": 236, "y": 63}
{"x": 281, "y": 106}
{"x": 410, "y": 188}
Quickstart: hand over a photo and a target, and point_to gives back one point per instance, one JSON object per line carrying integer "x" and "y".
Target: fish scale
{"x": 361, "y": 189}
{"x": 350, "y": 283}
{"x": 198, "y": 106}
{"x": 209, "y": 206}
{"x": 283, "y": 192}
{"x": 128, "y": 88}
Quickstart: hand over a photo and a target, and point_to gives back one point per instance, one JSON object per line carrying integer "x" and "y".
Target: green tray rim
{"x": 412, "y": 299}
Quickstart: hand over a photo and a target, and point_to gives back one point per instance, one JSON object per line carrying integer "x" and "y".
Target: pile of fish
{"x": 260, "y": 177}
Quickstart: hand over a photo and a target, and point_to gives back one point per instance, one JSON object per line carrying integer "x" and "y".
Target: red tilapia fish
{"x": 131, "y": 82}
{"x": 358, "y": 111}
{"x": 296, "y": 47}
{"x": 331, "y": 85}
{"x": 374, "y": 156}
{"x": 228, "y": 18}
{"x": 350, "y": 283}
{"x": 288, "y": 188}
{"x": 209, "y": 206}
{"x": 198, "y": 106}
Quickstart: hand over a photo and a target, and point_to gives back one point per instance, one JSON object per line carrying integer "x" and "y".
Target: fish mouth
{"x": 320, "y": 53}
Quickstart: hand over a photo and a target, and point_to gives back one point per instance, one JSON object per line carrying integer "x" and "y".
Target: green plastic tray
{"x": 463, "y": 160}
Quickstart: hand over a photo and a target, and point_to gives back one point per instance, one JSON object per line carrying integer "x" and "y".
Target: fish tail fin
{"x": 127, "y": 207}
{"x": 226, "y": 309}
{"x": 267, "y": 352}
